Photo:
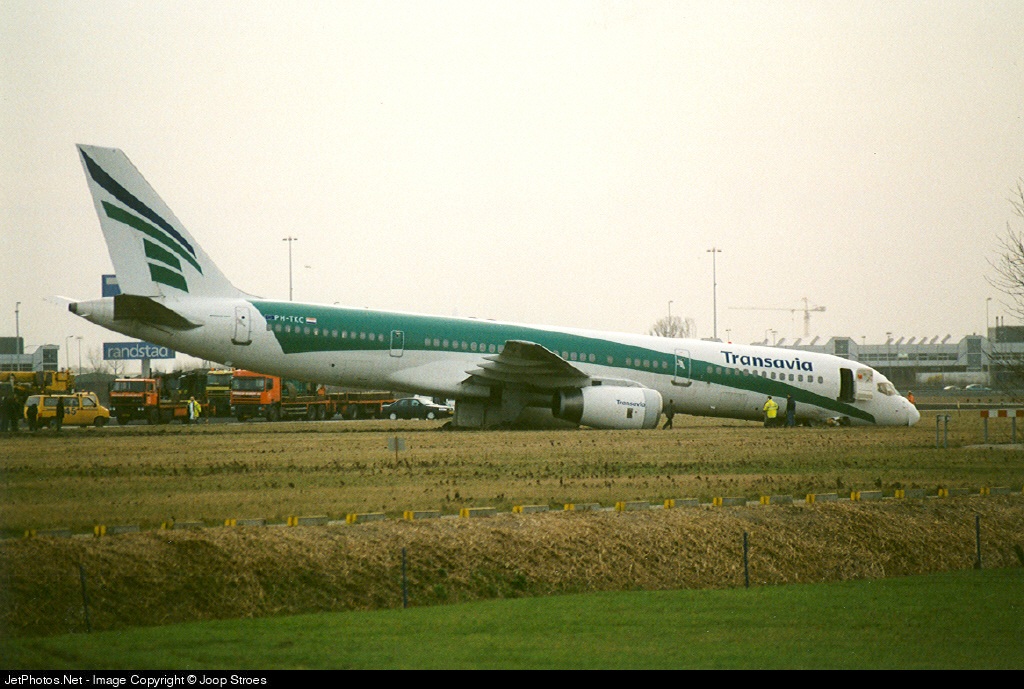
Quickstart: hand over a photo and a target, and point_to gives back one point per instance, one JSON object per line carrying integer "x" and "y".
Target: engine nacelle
{"x": 607, "y": 406}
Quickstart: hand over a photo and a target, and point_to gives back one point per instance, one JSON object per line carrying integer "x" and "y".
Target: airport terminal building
{"x": 996, "y": 361}
{"x": 14, "y": 358}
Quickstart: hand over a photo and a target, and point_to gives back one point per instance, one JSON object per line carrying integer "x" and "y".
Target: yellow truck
{"x": 80, "y": 409}
{"x": 218, "y": 392}
{"x": 24, "y": 383}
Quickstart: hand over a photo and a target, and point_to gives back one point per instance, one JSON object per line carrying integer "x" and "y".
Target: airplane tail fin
{"x": 153, "y": 254}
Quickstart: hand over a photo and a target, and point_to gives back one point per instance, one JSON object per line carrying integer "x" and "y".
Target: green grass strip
{"x": 955, "y": 620}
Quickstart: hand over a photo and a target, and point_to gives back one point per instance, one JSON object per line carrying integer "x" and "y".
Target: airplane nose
{"x": 914, "y": 414}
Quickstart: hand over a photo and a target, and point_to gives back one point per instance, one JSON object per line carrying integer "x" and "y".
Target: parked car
{"x": 976, "y": 387}
{"x": 951, "y": 388}
{"x": 415, "y": 408}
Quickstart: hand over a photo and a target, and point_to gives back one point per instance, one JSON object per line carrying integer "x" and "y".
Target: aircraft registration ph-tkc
{"x": 498, "y": 373}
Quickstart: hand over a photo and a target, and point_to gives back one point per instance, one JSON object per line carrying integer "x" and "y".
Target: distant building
{"x": 996, "y": 361}
{"x": 44, "y": 358}
{"x": 12, "y": 345}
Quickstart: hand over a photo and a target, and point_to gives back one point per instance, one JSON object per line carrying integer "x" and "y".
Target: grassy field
{"x": 956, "y": 620}
{"x": 152, "y": 475}
{"x": 149, "y": 476}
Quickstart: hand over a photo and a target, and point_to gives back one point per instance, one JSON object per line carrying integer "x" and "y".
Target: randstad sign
{"x": 119, "y": 351}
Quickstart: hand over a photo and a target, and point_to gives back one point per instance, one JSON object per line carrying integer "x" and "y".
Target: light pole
{"x": 987, "y": 300}
{"x": 79, "y": 338}
{"x": 17, "y": 328}
{"x": 67, "y": 352}
{"x": 888, "y": 352}
{"x": 714, "y": 288}
{"x": 290, "y": 239}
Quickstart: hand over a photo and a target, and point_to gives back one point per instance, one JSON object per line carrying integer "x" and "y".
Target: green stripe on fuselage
{"x": 297, "y": 336}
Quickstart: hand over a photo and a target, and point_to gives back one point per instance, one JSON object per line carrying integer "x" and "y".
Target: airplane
{"x": 500, "y": 374}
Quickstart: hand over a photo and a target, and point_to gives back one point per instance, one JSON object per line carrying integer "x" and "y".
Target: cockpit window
{"x": 886, "y": 388}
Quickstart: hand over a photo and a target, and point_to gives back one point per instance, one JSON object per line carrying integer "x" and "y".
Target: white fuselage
{"x": 433, "y": 355}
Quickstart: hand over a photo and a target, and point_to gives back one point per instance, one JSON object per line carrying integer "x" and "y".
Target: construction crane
{"x": 807, "y": 309}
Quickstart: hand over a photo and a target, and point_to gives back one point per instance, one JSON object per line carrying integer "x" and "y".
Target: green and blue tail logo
{"x": 165, "y": 247}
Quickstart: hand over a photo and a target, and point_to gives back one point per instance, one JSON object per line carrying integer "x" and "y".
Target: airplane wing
{"x": 529, "y": 365}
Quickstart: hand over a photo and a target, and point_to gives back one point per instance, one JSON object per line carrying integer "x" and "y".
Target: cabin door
{"x": 397, "y": 342}
{"x": 681, "y": 375}
{"x": 847, "y": 389}
{"x": 241, "y": 334}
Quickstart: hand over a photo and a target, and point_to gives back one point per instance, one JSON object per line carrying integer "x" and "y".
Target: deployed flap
{"x": 130, "y": 307}
{"x": 530, "y": 365}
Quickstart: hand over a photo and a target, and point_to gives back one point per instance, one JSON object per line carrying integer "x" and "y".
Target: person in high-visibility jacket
{"x": 194, "y": 409}
{"x": 771, "y": 409}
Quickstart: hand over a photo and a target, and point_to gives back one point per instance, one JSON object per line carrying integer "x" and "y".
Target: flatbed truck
{"x": 257, "y": 395}
{"x": 160, "y": 399}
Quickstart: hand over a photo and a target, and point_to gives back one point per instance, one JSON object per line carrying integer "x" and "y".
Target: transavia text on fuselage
{"x": 765, "y": 362}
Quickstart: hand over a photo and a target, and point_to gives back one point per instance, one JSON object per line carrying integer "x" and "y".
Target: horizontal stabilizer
{"x": 131, "y": 307}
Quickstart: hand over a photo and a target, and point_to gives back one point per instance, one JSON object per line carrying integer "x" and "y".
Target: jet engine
{"x": 607, "y": 406}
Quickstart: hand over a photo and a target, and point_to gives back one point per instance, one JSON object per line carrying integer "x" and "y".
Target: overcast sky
{"x": 562, "y": 163}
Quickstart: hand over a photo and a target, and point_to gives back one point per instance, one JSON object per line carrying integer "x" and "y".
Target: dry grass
{"x": 172, "y": 576}
{"x": 211, "y": 473}
{"x": 145, "y": 476}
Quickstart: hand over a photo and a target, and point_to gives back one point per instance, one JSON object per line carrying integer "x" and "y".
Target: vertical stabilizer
{"x": 153, "y": 254}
